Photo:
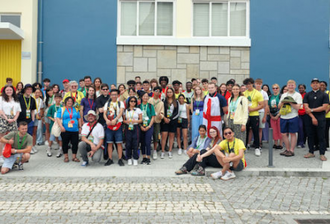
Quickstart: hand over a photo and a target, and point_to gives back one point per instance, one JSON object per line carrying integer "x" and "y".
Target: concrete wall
{"x": 29, "y": 17}
{"x": 182, "y": 62}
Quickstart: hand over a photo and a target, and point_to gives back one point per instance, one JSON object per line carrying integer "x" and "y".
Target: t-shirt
{"x": 26, "y": 103}
{"x": 88, "y": 104}
{"x": 18, "y": 140}
{"x": 297, "y": 97}
{"x": 132, "y": 114}
{"x": 39, "y": 105}
{"x": 273, "y": 104}
{"x": 148, "y": 111}
{"x": 254, "y": 97}
{"x": 96, "y": 135}
{"x": 52, "y": 112}
{"x": 77, "y": 97}
{"x": 236, "y": 145}
{"x": 200, "y": 143}
{"x": 9, "y": 108}
{"x": 73, "y": 126}
{"x": 100, "y": 102}
{"x": 265, "y": 97}
{"x": 189, "y": 96}
{"x": 113, "y": 109}
{"x": 316, "y": 99}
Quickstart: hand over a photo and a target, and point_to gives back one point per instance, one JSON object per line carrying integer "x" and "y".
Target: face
{"x": 291, "y": 86}
{"x": 9, "y": 91}
{"x": 66, "y": 85}
{"x": 189, "y": 86}
{"x": 198, "y": 91}
{"x": 91, "y": 91}
{"x": 50, "y": 93}
{"x": 181, "y": 100}
{"x": 194, "y": 83}
{"x": 315, "y": 85}
{"x": 153, "y": 85}
{"x": 249, "y": 86}
{"x": 97, "y": 82}
{"x": 114, "y": 96}
{"x": 236, "y": 90}
{"x": 214, "y": 81}
{"x": 69, "y": 103}
{"x": 46, "y": 84}
{"x": 88, "y": 82}
{"x": 205, "y": 84}
{"x": 176, "y": 87}
{"x": 138, "y": 86}
{"x": 145, "y": 98}
{"x": 23, "y": 129}
{"x": 213, "y": 133}
{"x": 74, "y": 87}
{"x": 131, "y": 86}
{"x": 146, "y": 86}
{"x": 285, "y": 89}
{"x": 211, "y": 88}
{"x": 113, "y": 86}
{"x": 265, "y": 88}
{"x": 163, "y": 83}
{"x": 169, "y": 93}
{"x": 301, "y": 89}
{"x": 28, "y": 91}
{"x": 132, "y": 102}
{"x": 58, "y": 100}
{"x": 121, "y": 88}
{"x": 37, "y": 93}
{"x": 276, "y": 89}
{"x": 19, "y": 86}
{"x": 202, "y": 132}
{"x": 258, "y": 85}
{"x": 137, "y": 79}
{"x": 243, "y": 88}
{"x": 229, "y": 134}
{"x": 55, "y": 89}
{"x": 131, "y": 93}
{"x": 37, "y": 87}
{"x": 223, "y": 88}
{"x": 323, "y": 87}
{"x": 10, "y": 83}
{"x": 91, "y": 118}
{"x": 156, "y": 93}
{"x": 105, "y": 90}
{"x": 82, "y": 84}
{"x": 229, "y": 87}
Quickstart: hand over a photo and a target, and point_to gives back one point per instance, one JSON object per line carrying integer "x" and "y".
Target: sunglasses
{"x": 105, "y": 89}
{"x": 275, "y": 87}
{"x": 228, "y": 133}
{"x": 133, "y": 101}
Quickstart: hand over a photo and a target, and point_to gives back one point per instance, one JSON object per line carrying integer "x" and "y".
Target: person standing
{"x": 66, "y": 87}
{"x": 303, "y": 117}
{"x": 323, "y": 88}
{"x": 76, "y": 95}
{"x": 88, "y": 103}
{"x": 316, "y": 103}
{"x": 274, "y": 112}
{"x": 197, "y": 105}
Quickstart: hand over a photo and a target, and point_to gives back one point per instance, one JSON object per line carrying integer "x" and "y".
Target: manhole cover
{"x": 312, "y": 221}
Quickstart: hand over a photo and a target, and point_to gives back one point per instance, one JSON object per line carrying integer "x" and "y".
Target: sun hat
{"x": 91, "y": 112}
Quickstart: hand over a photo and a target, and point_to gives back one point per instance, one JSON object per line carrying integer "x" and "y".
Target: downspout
{"x": 40, "y": 40}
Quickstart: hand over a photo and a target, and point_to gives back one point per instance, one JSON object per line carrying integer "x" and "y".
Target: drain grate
{"x": 312, "y": 221}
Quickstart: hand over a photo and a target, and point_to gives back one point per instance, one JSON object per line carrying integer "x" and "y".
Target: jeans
{"x": 253, "y": 122}
{"x": 145, "y": 140}
{"x": 132, "y": 140}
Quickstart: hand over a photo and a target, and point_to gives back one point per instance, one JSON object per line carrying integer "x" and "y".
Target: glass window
{"x": 13, "y": 19}
{"x": 164, "y": 18}
{"x": 201, "y": 19}
{"x": 219, "y": 19}
{"x": 147, "y": 18}
{"x": 237, "y": 19}
{"x": 128, "y": 18}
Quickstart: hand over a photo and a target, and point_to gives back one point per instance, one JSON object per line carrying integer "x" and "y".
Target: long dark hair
{"x": 173, "y": 97}
{"x": 20, "y": 83}
{"x": 136, "y": 102}
{"x": 41, "y": 96}
{"x": 6, "y": 97}
{"x": 47, "y": 95}
{"x": 97, "y": 78}
{"x": 67, "y": 99}
{"x": 87, "y": 94}
{"x": 59, "y": 89}
{"x": 268, "y": 91}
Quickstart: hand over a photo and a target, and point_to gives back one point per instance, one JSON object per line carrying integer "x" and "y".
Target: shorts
{"x": 47, "y": 120}
{"x": 289, "y": 125}
{"x": 9, "y": 162}
{"x": 261, "y": 116}
{"x": 52, "y": 138}
{"x": 156, "y": 132}
{"x": 170, "y": 127}
{"x": 239, "y": 167}
{"x": 114, "y": 136}
{"x": 183, "y": 124}
{"x": 36, "y": 122}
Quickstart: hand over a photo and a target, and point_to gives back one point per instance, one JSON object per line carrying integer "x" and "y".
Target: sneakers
{"x": 199, "y": 172}
{"x": 180, "y": 151}
{"x": 182, "y": 170}
{"x": 185, "y": 152}
{"x": 135, "y": 162}
{"x": 20, "y": 166}
{"x": 121, "y": 163}
{"x": 84, "y": 163}
{"x": 162, "y": 155}
{"x": 144, "y": 160}
{"x": 129, "y": 162}
{"x": 109, "y": 162}
{"x": 59, "y": 154}
{"x": 228, "y": 175}
{"x": 49, "y": 153}
{"x": 217, "y": 175}
{"x": 257, "y": 152}
{"x": 46, "y": 143}
{"x": 170, "y": 155}
{"x": 154, "y": 155}
{"x": 33, "y": 150}
{"x": 148, "y": 162}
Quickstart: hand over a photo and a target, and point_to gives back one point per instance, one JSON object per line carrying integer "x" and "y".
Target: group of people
{"x": 212, "y": 124}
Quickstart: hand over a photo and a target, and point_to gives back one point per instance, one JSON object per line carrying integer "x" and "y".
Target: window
{"x": 146, "y": 18}
{"x": 220, "y": 19}
{"x": 13, "y": 19}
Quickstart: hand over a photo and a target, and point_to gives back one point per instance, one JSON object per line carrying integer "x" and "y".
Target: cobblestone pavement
{"x": 182, "y": 199}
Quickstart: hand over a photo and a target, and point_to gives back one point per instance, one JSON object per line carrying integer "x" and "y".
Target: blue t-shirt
{"x": 87, "y": 103}
{"x": 66, "y": 119}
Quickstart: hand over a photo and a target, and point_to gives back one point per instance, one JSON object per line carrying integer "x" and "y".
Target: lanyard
{"x": 156, "y": 102}
{"x": 91, "y": 126}
{"x": 74, "y": 96}
{"x": 197, "y": 104}
{"x": 27, "y": 105}
{"x": 91, "y": 106}
{"x": 233, "y": 105}
{"x": 20, "y": 145}
{"x": 144, "y": 107}
{"x": 231, "y": 150}
{"x": 37, "y": 104}
{"x": 56, "y": 108}
{"x": 70, "y": 114}
{"x": 132, "y": 114}
{"x": 51, "y": 100}
{"x": 252, "y": 94}
{"x": 199, "y": 143}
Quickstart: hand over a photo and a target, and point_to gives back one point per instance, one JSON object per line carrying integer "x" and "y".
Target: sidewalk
{"x": 41, "y": 165}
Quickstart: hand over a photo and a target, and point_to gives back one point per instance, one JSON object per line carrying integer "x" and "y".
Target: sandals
{"x": 66, "y": 159}
{"x": 75, "y": 160}
{"x": 309, "y": 155}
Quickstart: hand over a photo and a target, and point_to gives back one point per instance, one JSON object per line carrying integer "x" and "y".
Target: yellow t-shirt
{"x": 328, "y": 114}
{"x": 237, "y": 144}
{"x": 205, "y": 92}
{"x": 254, "y": 97}
{"x": 78, "y": 98}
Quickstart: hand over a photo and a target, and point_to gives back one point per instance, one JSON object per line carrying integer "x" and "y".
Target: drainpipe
{"x": 40, "y": 40}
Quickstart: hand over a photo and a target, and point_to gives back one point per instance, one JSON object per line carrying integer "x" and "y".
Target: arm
{"x": 235, "y": 158}
{"x": 225, "y": 109}
{"x": 297, "y": 106}
{"x": 81, "y": 110}
{"x": 188, "y": 114}
{"x": 138, "y": 121}
{"x": 41, "y": 112}
{"x": 209, "y": 152}
{"x": 26, "y": 150}
{"x": 260, "y": 106}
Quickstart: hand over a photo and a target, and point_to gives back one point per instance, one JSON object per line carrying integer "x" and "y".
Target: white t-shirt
{"x": 183, "y": 111}
{"x": 265, "y": 96}
{"x": 39, "y": 104}
{"x": 114, "y": 106}
{"x": 96, "y": 135}
{"x": 297, "y": 97}
{"x": 11, "y": 107}
{"x": 133, "y": 114}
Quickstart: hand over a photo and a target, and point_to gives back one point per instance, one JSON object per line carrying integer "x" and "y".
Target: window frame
{"x": 12, "y": 14}
{"x": 210, "y": 2}
{"x": 138, "y": 22}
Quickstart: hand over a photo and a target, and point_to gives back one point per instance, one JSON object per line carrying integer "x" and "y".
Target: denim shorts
{"x": 289, "y": 125}
{"x": 114, "y": 136}
{"x": 9, "y": 162}
{"x": 52, "y": 138}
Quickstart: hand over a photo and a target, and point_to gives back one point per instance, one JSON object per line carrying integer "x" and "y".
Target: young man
{"x": 163, "y": 81}
{"x": 159, "y": 110}
{"x": 88, "y": 83}
{"x": 256, "y": 102}
{"x": 215, "y": 106}
{"x": 323, "y": 88}
{"x": 92, "y": 136}
{"x": 112, "y": 113}
{"x": 9, "y": 82}
{"x": 146, "y": 87}
{"x": 131, "y": 84}
{"x": 66, "y": 87}
{"x": 205, "y": 84}
{"x": 229, "y": 85}
{"x": 290, "y": 103}
{"x": 194, "y": 82}
{"x": 176, "y": 86}
{"x": 138, "y": 87}
{"x": 316, "y": 103}
{"x": 214, "y": 80}
{"x": 189, "y": 94}
{"x": 81, "y": 85}
{"x": 137, "y": 79}
{"x": 21, "y": 143}
{"x": 46, "y": 82}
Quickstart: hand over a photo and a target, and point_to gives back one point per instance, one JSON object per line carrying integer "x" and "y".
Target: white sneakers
{"x": 135, "y": 162}
{"x": 60, "y": 153}
{"x": 185, "y": 152}
{"x": 170, "y": 155}
{"x": 257, "y": 152}
{"x": 129, "y": 162}
{"x": 217, "y": 175}
{"x": 49, "y": 153}
{"x": 34, "y": 150}
{"x": 180, "y": 151}
{"x": 154, "y": 155}
{"x": 162, "y": 155}
{"x": 228, "y": 175}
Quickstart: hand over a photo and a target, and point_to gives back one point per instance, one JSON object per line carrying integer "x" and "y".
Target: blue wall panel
{"x": 80, "y": 39}
{"x": 290, "y": 40}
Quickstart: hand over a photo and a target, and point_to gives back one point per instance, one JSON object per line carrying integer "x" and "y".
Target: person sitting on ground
{"x": 199, "y": 143}
{"x": 198, "y": 166}
{"x": 21, "y": 143}
{"x": 232, "y": 160}
{"x": 92, "y": 137}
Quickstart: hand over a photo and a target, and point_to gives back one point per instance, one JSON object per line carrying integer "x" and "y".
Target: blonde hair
{"x": 275, "y": 84}
{"x": 195, "y": 95}
{"x": 291, "y": 81}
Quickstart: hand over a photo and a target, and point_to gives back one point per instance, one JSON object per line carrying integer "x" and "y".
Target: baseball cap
{"x": 65, "y": 80}
{"x": 315, "y": 80}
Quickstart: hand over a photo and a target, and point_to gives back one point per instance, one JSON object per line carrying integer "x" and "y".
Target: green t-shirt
{"x": 147, "y": 110}
{"x": 18, "y": 140}
{"x": 52, "y": 113}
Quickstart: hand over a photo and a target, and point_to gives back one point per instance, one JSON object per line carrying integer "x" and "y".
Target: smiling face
{"x": 236, "y": 91}
{"x": 145, "y": 98}
{"x": 91, "y": 92}
{"x": 276, "y": 89}
{"x": 213, "y": 133}
{"x": 228, "y": 134}
{"x": 202, "y": 132}
{"x": 91, "y": 118}
{"x": 69, "y": 102}
{"x": 211, "y": 88}
{"x": 181, "y": 100}
{"x": 315, "y": 85}
{"x": 9, "y": 91}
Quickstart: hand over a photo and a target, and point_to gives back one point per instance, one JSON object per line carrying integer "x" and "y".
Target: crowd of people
{"x": 212, "y": 124}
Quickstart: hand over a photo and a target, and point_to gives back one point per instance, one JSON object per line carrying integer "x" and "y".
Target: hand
{"x": 199, "y": 158}
{"x": 315, "y": 122}
{"x": 91, "y": 153}
{"x": 167, "y": 120}
{"x": 93, "y": 147}
{"x": 108, "y": 122}
{"x": 159, "y": 116}
{"x": 113, "y": 122}
{"x": 243, "y": 128}
{"x": 62, "y": 129}
{"x": 250, "y": 109}
{"x": 264, "y": 119}
{"x": 101, "y": 110}
{"x": 10, "y": 120}
{"x": 11, "y": 141}
{"x": 308, "y": 110}
{"x": 13, "y": 151}
{"x": 226, "y": 160}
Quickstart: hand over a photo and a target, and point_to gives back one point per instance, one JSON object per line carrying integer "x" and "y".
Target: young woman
{"x": 153, "y": 83}
{"x": 183, "y": 123}
{"x": 9, "y": 111}
{"x": 97, "y": 85}
{"x": 170, "y": 121}
{"x": 238, "y": 113}
{"x": 147, "y": 128}
{"x": 198, "y": 143}
{"x": 274, "y": 112}
{"x": 113, "y": 86}
{"x": 265, "y": 88}
{"x": 37, "y": 130}
{"x": 197, "y": 104}
{"x": 223, "y": 91}
{"x": 49, "y": 100}
{"x": 211, "y": 160}
{"x": 132, "y": 118}
{"x": 303, "y": 119}
{"x": 123, "y": 94}
{"x": 56, "y": 88}
{"x": 284, "y": 89}
{"x": 19, "y": 88}
{"x": 69, "y": 119}
{"x": 88, "y": 103}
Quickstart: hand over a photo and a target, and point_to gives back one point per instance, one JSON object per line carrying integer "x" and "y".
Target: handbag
{"x": 56, "y": 129}
{"x": 7, "y": 151}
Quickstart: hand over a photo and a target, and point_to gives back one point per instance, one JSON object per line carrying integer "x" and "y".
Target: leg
{"x": 135, "y": 141}
{"x": 34, "y": 136}
{"x": 164, "y": 137}
{"x": 110, "y": 148}
{"x": 255, "y": 129}
{"x": 171, "y": 140}
{"x": 83, "y": 150}
{"x": 25, "y": 157}
{"x": 30, "y": 128}
{"x": 120, "y": 150}
{"x": 178, "y": 137}
{"x": 47, "y": 132}
{"x": 39, "y": 132}
{"x": 65, "y": 139}
{"x": 74, "y": 142}
{"x": 185, "y": 137}
{"x": 4, "y": 170}
{"x": 190, "y": 164}
{"x": 327, "y": 132}
{"x": 129, "y": 144}
{"x": 148, "y": 141}
{"x": 97, "y": 155}
{"x": 143, "y": 143}
{"x": 320, "y": 130}
{"x": 293, "y": 141}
